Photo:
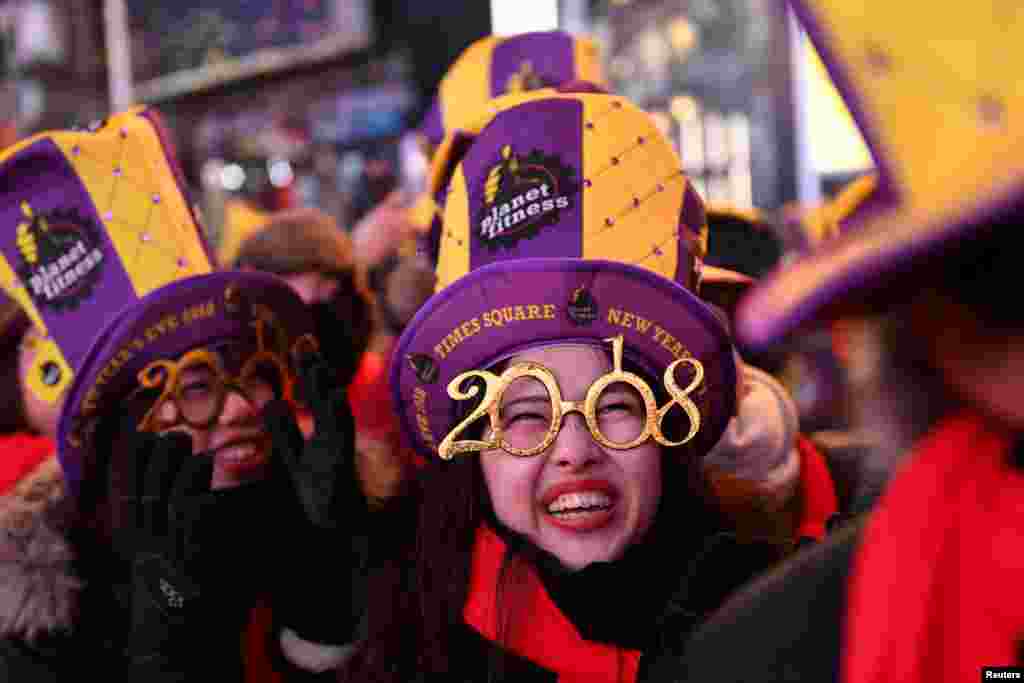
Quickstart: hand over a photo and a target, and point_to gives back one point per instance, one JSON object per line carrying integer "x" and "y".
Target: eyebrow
{"x": 533, "y": 398}
{"x": 620, "y": 391}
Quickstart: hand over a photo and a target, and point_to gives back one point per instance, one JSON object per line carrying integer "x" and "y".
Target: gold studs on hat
{"x": 637, "y": 200}
{"x": 878, "y": 61}
{"x": 991, "y": 111}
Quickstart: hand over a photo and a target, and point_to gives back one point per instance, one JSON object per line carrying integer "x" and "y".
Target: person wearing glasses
{"x": 191, "y": 507}
{"x": 563, "y": 386}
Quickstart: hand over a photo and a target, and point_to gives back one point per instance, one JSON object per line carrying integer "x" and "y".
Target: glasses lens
{"x": 620, "y": 413}
{"x": 198, "y": 392}
{"x": 525, "y": 413}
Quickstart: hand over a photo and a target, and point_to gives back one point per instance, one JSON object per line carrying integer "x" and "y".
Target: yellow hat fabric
{"x": 241, "y": 220}
{"x": 825, "y": 222}
{"x": 568, "y": 219}
{"x": 501, "y": 65}
{"x": 937, "y": 92}
{"x": 91, "y": 220}
{"x": 636, "y": 206}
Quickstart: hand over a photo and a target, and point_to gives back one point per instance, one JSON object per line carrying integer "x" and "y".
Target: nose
{"x": 237, "y": 408}
{"x": 574, "y": 448}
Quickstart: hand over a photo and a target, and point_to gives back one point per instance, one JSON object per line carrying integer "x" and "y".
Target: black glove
{"x": 722, "y": 566}
{"x": 321, "y": 510}
{"x": 186, "y": 544}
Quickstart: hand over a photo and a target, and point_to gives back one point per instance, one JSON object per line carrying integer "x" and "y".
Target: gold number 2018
{"x": 494, "y": 388}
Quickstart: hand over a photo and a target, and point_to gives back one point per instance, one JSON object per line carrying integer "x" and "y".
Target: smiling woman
{"x": 582, "y": 503}
{"x": 145, "y": 550}
{"x": 563, "y": 388}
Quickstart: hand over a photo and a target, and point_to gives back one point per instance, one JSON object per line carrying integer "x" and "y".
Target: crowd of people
{"x": 540, "y": 423}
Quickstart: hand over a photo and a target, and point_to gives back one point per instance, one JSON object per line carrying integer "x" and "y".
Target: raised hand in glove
{"x": 319, "y": 508}
{"x": 190, "y": 593}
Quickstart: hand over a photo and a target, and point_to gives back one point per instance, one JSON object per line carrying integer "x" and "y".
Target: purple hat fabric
{"x": 192, "y": 312}
{"x": 92, "y": 219}
{"x": 499, "y": 65}
{"x": 937, "y": 96}
{"x": 101, "y": 248}
{"x": 567, "y": 220}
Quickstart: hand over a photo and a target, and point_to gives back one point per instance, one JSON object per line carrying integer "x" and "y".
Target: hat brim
{"x": 504, "y": 308}
{"x": 874, "y": 254}
{"x": 169, "y": 321}
{"x": 884, "y": 244}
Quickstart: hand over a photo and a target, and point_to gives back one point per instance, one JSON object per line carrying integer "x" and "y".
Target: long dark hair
{"x": 13, "y": 326}
{"x": 416, "y": 599}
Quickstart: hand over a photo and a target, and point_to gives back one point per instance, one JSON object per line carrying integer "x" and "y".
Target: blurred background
{"x": 282, "y": 103}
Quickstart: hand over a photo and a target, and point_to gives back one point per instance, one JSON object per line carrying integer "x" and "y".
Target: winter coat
{"x": 65, "y": 613}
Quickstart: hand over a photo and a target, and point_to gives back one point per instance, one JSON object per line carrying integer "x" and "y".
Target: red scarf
{"x": 543, "y": 635}
{"x": 21, "y": 453}
{"x": 259, "y": 667}
{"x": 935, "y": 591}
{"x": 547, "y": 638}
{"x": 817, "y": 492}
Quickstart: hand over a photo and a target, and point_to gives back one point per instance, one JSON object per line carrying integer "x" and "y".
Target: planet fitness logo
{"x": 61, "y": 257}
{"x": 522, "y": 196}
{"x": 582, "y": 307}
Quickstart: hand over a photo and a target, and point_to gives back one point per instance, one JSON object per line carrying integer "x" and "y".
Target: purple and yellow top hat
{"x": 937, "y": 94}
{"x": 492, "y": 67}
{"x": 826, "y": 222}
{"x": 100, "y": 246}
{"x": 241, "y": 221}
{"x": 503, "y": 65}
{"x": 568, "y": 220}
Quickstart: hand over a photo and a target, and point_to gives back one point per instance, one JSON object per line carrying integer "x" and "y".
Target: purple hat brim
{"x": 821, "y": 285}
{"x": 169, "y": 321}
{"x": 504, "y": 308}
{"x": 879, "y": 244}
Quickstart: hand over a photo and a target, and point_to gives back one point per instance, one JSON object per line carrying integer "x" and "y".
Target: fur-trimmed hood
{"x": 38, "y": 587}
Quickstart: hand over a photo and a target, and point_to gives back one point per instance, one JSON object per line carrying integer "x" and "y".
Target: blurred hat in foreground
{"x": 503, "y": 65}
{"x": 937, "y": 93}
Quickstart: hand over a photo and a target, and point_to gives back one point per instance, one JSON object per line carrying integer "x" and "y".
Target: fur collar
{"x": 39, "y": 589}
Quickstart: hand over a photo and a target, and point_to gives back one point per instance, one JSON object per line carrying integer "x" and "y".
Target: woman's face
{"x": 577, "y": 500}
{"x": 41, "y": 415}
{"x": 237, "y": 440}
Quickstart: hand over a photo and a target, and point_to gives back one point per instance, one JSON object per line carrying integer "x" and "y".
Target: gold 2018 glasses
{"x": 531, "y": 433}
{"x": 198, "y": 385}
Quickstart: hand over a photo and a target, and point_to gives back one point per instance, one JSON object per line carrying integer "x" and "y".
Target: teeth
{"x": 583, "y": 500}
{"x": 238, "y": 453}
